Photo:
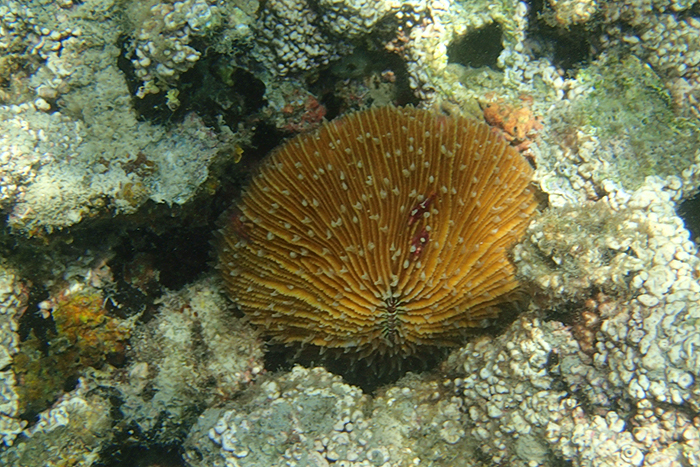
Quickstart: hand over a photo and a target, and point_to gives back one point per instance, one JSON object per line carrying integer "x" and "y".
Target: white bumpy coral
{"x": 11, "y": 307}
{"x": 162, "y": 50}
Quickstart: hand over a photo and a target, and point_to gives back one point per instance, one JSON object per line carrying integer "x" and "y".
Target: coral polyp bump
{"x": 383, "y": 231}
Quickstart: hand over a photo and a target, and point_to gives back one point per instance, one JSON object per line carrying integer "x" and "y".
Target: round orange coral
{"x": 383, "y": 231}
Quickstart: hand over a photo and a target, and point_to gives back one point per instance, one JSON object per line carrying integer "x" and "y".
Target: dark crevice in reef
{"x": 162, "y": 247}
{"x": 265, "y": 138}
{"x": 367, "y": 374}
{"x": 689, "y": 211}
{"x": 479, "y": 48}
{"x": 212, "y": 88}
{"x": 152, "y": 106}
{"x": 216, "y": 88}
{"x": 139, "y": 456}
{"x": 565, "y": 313}
{"x": 359, "y": 66}
{"x": 170, "y": 259}
{"x": 34, "y": 322}
{"x": 569, "y": 48}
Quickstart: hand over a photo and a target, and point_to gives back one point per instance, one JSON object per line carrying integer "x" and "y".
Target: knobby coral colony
{"x": 383, "y": 231}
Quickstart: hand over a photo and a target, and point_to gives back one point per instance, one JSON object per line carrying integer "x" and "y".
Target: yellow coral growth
{"x": 85, "y": 336}
{"x": 81, "y": 318}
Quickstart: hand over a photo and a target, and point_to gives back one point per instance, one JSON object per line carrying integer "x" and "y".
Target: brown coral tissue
{"x": 383, "y": 231}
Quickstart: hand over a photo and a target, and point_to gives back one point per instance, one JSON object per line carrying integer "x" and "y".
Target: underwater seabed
{"x": 128, "y": 129}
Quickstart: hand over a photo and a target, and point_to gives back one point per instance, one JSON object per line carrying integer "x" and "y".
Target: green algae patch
{"x": 630, "y": 112}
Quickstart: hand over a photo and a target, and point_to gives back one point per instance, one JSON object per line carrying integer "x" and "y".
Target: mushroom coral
{"x": 383, "y": 231}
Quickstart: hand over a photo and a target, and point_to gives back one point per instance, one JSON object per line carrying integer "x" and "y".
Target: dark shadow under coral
{"x": 376, "y": 371}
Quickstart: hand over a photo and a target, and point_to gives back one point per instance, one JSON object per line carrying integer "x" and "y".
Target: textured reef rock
{"x": 612, "y": 129}
{"x": 192, "y": 354}
{"x": 85, "y": 336}
{"x": 570, "y": 251}
{"x": 667, "y": 35}
{"x": 73, "y": 432}
{"x": 567, "y": 13}
{"x": 618, "y": 386}
{"x": 12, "y": 305}
{"x": 285, "y": 42}
{"x": 310, "y": 417}
{"x": 72, "y": 145}
{"x": 163, "y": 32}
{"x": 288, "y": 419}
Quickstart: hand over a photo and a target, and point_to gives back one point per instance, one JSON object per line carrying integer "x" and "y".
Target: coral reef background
{"x": 127, "y": 128}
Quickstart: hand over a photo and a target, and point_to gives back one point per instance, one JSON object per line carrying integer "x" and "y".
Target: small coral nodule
{"x": 383, "y": 231}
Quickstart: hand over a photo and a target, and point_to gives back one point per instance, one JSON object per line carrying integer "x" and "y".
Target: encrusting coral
{"x": 383, "y": 231}
{"x": 85, "y": 336}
